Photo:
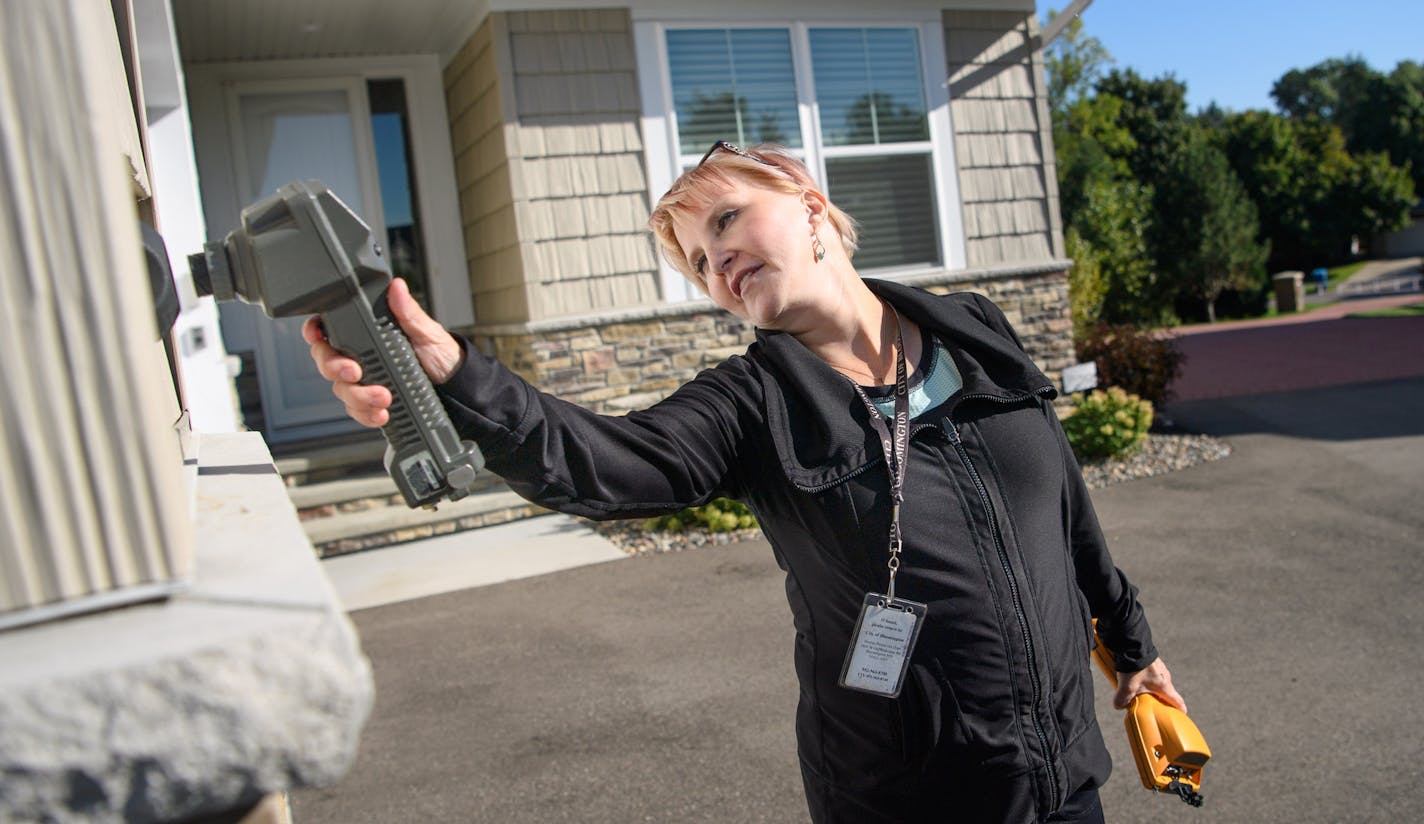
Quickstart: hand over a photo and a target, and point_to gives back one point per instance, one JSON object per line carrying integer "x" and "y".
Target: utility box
{"x": 1290, "y": 291}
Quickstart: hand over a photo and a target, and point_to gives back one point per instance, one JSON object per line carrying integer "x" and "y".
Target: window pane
{"x": 869, "y": 86}
{"x": 733, "y": 84}
{"x": 893, "y": 199}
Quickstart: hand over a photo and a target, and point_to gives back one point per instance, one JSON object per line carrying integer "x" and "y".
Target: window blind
{"x": 733, "y": 84}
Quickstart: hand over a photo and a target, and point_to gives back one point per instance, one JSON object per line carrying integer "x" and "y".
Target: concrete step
{"x": 347, "y": 502}
{"x": 302, "y": 466}
{"x": 383, "y": 524}
{"x": 327, "y": 497}
{"x": 308, "y": 498}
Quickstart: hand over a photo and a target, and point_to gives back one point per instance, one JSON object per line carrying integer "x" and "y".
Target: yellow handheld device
{"x": 1169, "y": 749}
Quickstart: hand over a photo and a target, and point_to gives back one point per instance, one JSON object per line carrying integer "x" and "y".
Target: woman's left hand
{"x": 1154, "y": 679}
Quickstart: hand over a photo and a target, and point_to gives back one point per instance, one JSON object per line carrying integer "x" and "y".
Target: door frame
{"x": 432, "y": 162}
{"x": 299, "y": 409}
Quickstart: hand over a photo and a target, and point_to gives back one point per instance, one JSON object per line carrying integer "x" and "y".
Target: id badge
{"x": 881, "y": 644}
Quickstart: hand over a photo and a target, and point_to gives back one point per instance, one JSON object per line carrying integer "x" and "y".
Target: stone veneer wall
{"x": 1003, "y": 137}
{"x": 635, "y": 358}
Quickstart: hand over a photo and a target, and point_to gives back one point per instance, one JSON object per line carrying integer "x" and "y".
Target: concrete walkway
{"x": 490, "y": 555}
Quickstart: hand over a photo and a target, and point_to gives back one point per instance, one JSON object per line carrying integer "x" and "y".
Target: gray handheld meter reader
{"x": 301, "y": 251}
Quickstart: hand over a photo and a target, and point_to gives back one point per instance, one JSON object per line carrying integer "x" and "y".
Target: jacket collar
{"x": 818, "y": 424}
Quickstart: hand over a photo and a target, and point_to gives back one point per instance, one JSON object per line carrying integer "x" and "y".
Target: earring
{"x": 817, "y": 248}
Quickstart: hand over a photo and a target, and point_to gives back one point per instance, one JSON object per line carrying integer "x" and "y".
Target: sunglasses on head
{"x": 736, "y": 150}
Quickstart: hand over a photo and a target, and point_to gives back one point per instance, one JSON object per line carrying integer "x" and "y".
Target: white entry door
{"x": 283, "y": 132}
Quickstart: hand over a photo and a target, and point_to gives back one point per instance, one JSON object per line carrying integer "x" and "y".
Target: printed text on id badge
{"x": 881, "y": 644}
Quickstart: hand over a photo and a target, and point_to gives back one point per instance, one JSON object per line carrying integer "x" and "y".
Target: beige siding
{"x": 474, "y": 96}
{"x": 1003, "y": 137}
{"x": 544, "y": 115}
{"x": 581, "y": 192}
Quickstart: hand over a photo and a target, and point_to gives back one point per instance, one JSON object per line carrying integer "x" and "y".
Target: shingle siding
{"x": 486, "y": 179}
{"x": 544, "y": 117}
{"x": 1003, "y": 137}
{"x": 580, "y": 155}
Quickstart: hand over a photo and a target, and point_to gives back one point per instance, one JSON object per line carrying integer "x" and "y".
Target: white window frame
{"x": 662, "y": 147}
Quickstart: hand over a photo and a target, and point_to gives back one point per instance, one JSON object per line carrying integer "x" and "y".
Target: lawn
{"x": 1340, "y": 273}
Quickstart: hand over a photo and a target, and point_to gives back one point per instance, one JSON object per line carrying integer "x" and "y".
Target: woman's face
{"x": 751, "y": 246}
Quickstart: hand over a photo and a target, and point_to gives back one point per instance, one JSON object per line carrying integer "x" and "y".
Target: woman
{"x": 902, "y": 456}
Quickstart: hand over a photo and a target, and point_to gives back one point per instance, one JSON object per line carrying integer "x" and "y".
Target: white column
{"x": 94, "y": 504}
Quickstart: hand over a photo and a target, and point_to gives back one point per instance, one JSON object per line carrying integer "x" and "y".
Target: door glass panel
{"x": 390, "y": 125}
{"x": 300, "y": 136}
{"x": 290, "y": 136}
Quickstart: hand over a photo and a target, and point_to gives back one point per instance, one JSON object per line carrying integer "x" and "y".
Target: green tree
{"x": 1204, "y": 233}
{"x": 1154, "y": 112}
{"x": 1372, "y": 197}
{"x": 1106, "y": 215}
{"x": 1074, "y": 61}
{"x": 1201, "y": 237}
{"x": 1374, "y": 112}
{"x": 1086, "y": 285}
{"x": 1396, "y": 121}
{"x": 1333, "y": 90}
{"x": 1113, "y": 223}
{"x": 1312, "y": 195}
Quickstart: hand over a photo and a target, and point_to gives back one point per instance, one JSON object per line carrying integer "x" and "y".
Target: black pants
{"x": 1082, "y": 807}
{"x": 976, "y": 800}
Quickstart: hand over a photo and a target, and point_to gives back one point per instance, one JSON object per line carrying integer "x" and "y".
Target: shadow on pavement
{"x": 1357, "y": 411}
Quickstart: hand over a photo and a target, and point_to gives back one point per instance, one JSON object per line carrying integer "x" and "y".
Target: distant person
{"x": 865, "y": 410}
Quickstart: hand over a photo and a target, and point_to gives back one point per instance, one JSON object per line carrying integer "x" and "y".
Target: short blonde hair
{"x": 769, "y": 166}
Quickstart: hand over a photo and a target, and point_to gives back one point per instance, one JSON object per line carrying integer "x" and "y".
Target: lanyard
{"x": 896, "y": 448}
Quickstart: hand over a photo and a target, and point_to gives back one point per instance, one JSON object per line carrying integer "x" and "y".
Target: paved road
{"x": 1283, "y": 583}
{"x": 1320, "y": 348}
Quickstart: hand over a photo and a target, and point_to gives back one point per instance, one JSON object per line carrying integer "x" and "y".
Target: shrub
{"x": 719, "y": 515}
{"x": 1142, "y": 363}
{"x": 1106, "y": 424}
{"x": 1087, "y": 285}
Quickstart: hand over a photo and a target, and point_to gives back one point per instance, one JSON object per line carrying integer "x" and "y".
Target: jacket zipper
{"x": 1015, "y": 597}
{"x": 1014, "y": 594}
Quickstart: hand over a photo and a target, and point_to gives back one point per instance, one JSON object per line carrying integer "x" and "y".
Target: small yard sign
{"x": 1080, "y": 377}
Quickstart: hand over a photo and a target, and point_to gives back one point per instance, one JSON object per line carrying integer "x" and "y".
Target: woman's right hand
{"x": 437, "y": 351}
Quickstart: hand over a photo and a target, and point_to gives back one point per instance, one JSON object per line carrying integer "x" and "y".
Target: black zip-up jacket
{"x": 996, "y": 720}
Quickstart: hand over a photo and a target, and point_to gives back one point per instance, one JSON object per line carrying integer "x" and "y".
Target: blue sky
{"x": 1232, "y": 52}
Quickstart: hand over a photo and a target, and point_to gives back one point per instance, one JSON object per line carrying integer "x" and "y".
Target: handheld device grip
{"x": 301, "y": 251}
{"x": 424, "y": 454}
